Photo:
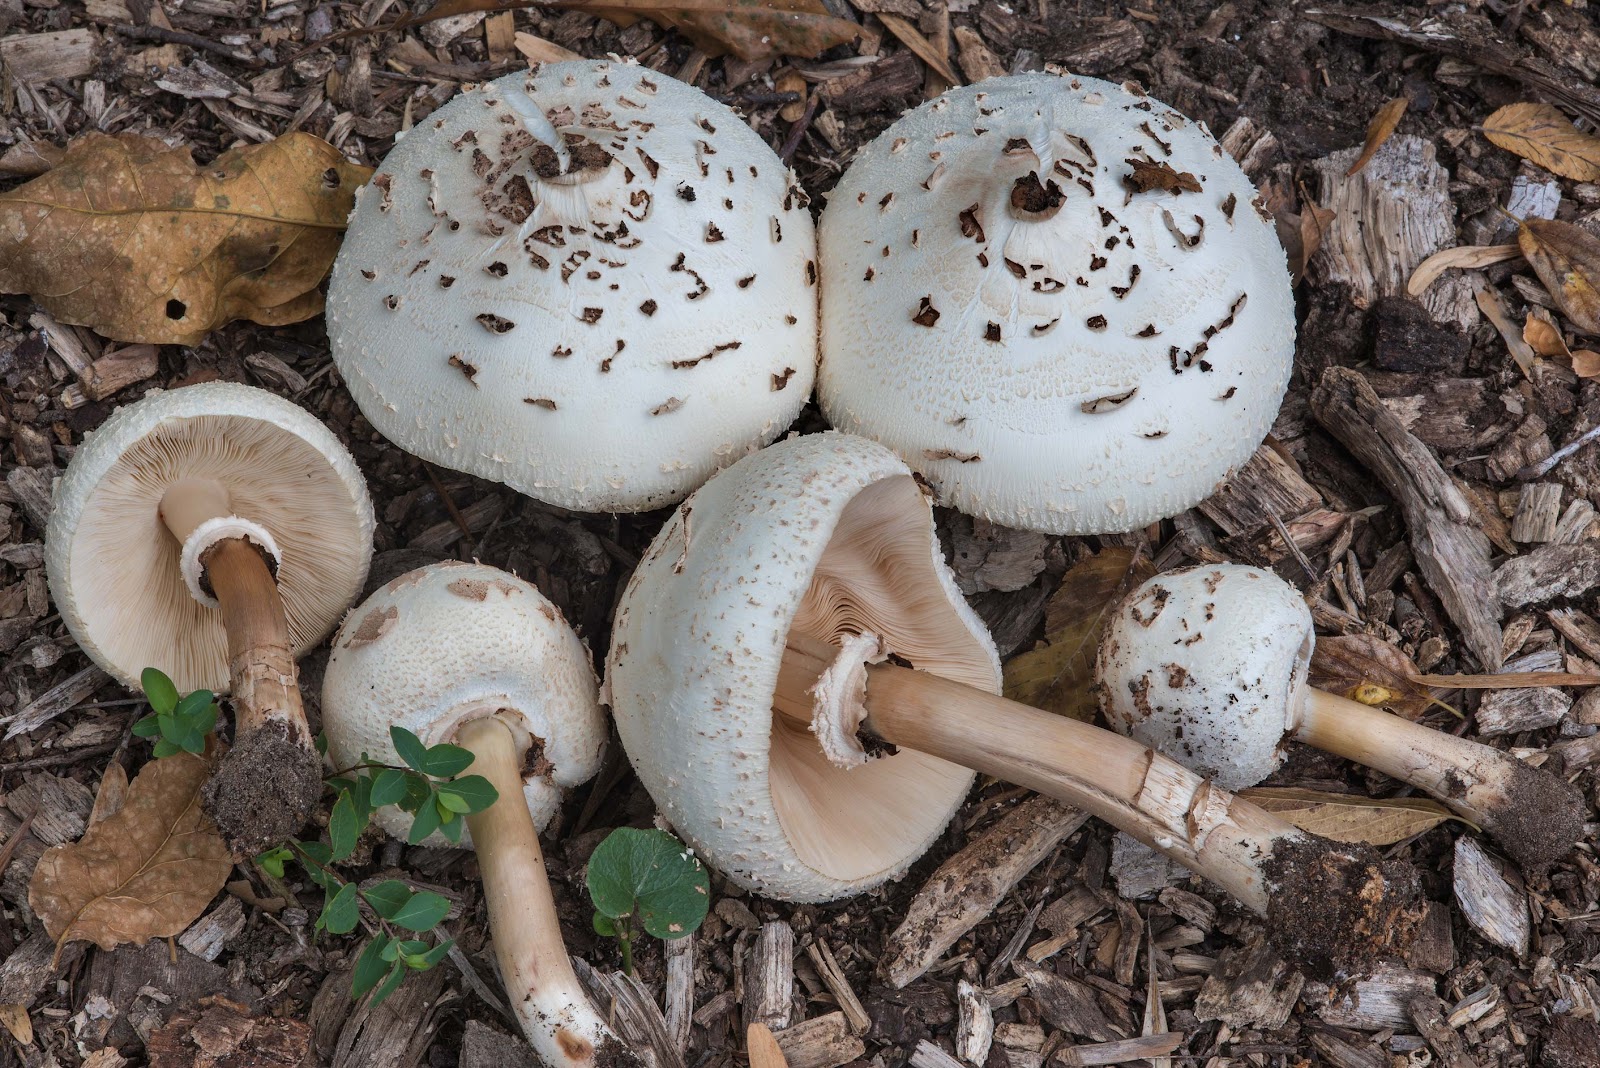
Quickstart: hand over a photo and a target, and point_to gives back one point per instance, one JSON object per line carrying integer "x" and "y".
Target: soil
{"x": 264, "y": 790}
{"x": 210, "y": 73}
{"x": 1542, "y": 817}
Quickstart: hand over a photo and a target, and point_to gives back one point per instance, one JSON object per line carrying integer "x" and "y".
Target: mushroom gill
{"x": 883, "y": 572}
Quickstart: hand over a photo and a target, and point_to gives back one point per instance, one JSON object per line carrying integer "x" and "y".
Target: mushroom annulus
{"x": 468, "y": 654}
{"x": 216, "y": 532}
{"x": 589, "y": 281}
{"x": 1058, "y": 300}
{"x": 747, "y": 661}
{"x": 1209, "y": 665}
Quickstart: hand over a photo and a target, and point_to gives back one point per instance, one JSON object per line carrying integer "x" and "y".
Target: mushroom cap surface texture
{"x": 590, "y": 282}
{"x": 1052, "y": 342}
{"x": 114, "y": 567}
{"x": 1208, "y": 665}
{"x": 830, "y": 535}
{"x": 453, "y": 642}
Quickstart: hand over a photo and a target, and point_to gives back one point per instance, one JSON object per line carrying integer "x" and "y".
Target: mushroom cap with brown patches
{"x": 829, "y": 535}
{"x": 115, "y": 569}
{"x": 590, "y": 282}
{"x": 1208, "y": 665}
{"x": 1060, "y": 301}
{"x": 452, "y": 642}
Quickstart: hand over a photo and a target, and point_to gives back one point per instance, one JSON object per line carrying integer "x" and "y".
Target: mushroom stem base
{"x": 1536, "y": 817}
{"x": 545, "y": 994}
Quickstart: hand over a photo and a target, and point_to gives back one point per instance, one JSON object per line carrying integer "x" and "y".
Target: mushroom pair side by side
{"x": 1058, "y": 300}
{"x": 748, "y": 656}
{"x": 1209, "y": 664}
{"x": 589, "y": 281}
{"x": 216, "y": 532}
{"x": 467, "y": 654}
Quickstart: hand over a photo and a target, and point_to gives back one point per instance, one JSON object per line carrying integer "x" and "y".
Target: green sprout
{"x": 178, "y": 724}
{"x": 649, "y": 878}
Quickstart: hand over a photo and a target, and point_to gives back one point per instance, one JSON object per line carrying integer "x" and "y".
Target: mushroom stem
{"x": 263, "y": 681}
{"x": 554, "y": 1011}
{"x": 1534, "y": 815}
{"x": 1296, "y": 880}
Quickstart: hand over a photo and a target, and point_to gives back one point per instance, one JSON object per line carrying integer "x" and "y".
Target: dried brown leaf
{"x": 146, "y": 872}
{"x": 130, "y": 237}
{"x": 763, "y": 1048}
{"x": 1462, "y": 257}
{"x": 113, "y": 793}
{"x": 906, "y": 33}
{"x": 1586, "y": 363}
{"x": 1373, "y": 672}
{"x": 1380, "y": 130}
{"x": 1059, "y": 676}
{"x": 1511, "y": 680}
{"x": 1543, "y": 133}
{"x": 750, "y": 29}
{"x": 1544, "y": 338}
{"x": 1351, "y": 817}
{"x": 1314, "y": 223}
{"x": 1567, "y": 260}
{"x": 1148, "y": 177}
{"x": 1494, "y": 309}
{"x": 14, "y": 1018}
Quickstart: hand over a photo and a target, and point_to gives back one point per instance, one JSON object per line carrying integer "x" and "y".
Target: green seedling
{"x": 178, "y": 724}
{"x": 648, "y": 878}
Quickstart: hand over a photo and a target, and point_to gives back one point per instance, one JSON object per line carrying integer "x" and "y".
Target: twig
{"x": 798, "y": 130}
{"x": 1548, "y": 464}
{"x": 193, "y": 40}
{"x": 449, "y": 505}
{"x": 15, "y": 840}
{"x": 1294, "y": 548}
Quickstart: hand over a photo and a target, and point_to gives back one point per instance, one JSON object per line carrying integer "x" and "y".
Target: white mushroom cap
{"x": 1208, "y": 665}
{"x": 1050, "y": 348}
{"x": 590, "y": 282}
{"x": 116, "y": 572}
{"x": 829, "y": 535}
{"x": 453, "y": 642}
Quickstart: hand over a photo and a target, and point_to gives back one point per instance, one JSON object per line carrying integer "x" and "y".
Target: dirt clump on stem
{"x": 262, "y": 789}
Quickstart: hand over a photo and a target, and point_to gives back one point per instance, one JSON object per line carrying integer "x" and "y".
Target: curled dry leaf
{"x": 148, "y": 871}
{"x": 1495, "y": 310}
{"x": 1462, "y": 257}
{"x": 1543, "y": 133}
{"x": 1148, "y": 177}
{"x": 1545, "y": 340}
{"x": 1380, "y": 130}
{"x": 762, "y": 1047}
{"x": 1586, "y": 363}
{"x": 131, "y": 238}
{"x": 1351, "y": 817}
{"x": 1567, "y": 260}
{"x": 1373, "y": 672}
{"x": 1059, "y": 676}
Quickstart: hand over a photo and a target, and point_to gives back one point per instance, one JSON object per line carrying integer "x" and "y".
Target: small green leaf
{"x": 361, "y": 798}
{"x": 470, "y": 793}
{"x": 164, "y": 748}
{"x": 453, "y": 802}
{"x": 159, "y": 690}
{"x": 650, "y": 874}
{"x": 344, "y": 827}
{"x": 445, "y": 760}
{"x": 206, "y": 721}
{"x": 426, "y": 822}
{"x": 397, "y": 975}
{"x": 451, "y": 828}
{"x": 194, "y": 704}
{"x": 388, "y": 787}
{"x": 188, "y": 739}
{"x": 342, "y": 912}
{"x": 273, "y": 860}
{"x": 320, "y": 852}
{"x": 604, "y": 925}
{"x": 391, "y": 952}
{"x": 387, "y": 897}
{"x": 422, "y": 912}
{"x": 370, "y": 966}
{"x": 435, "y": 955}
{"x": 148, "y": 727}
{"x": 321, "y": 742}
{"x": 409, "y": 748}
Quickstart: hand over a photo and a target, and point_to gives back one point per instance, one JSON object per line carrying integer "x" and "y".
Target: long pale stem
{"x": 1267, "y": 863}
{"x": 1536, "y": 817}
{"x": 555, "y": 1013}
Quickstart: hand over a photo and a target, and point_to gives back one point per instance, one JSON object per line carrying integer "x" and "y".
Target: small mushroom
{"x": 748, "y": 660}
{"x": 1066, "y": 325}
{"x": 467, "y": 654}
{"x": 589, "y": 281}
{"x": 216, "y": 532}
{"x": 1208, "y": 664}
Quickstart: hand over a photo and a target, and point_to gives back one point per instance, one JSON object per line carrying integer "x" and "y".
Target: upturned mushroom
{"x": 216, "y": 532}
{"x": 1058, "y": 300}
{"x": 747, "y": 660}
{"x": 590, "y": 282}
{"x": 1208, "y": 664}
{"x": 467, "y": 654}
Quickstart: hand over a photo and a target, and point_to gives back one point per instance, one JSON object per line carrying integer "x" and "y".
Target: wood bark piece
{"x": 1493, "y": 906}
{"x": 1266, "y": 487}
{"x": 833, "y": 978}
{"x": 927, "y": 1055}
{"x": 225, "y": 1034}
{"x": 36, "y": 58}
{"x": 1343, "y": 1054}
{"x": 396, "y": 1033}
{"x": 966, "y": 889}
{"x": 679, "y": 999}
{"x": 769, "y": 977}
{"x": 1538, "y": 512}
{"x": 1509, "y": 711}
{"x": 822, "y": 1042}
{"x": 1251, "y": 987}
{"x": 62, "y": 697}
{"x": 1119, "y": 1052}
{"x": 1389, "y": 217}
{"x": 974, "y": 1024}
{"x": 1427, "y": 1013}
{"x": 1066, "y": 1004}
{"x": 1379, "y": 1001}
{"x": 1450, "y": 550}
{"x": 484, "y": 1047}
{"x": 1548, "y": 572}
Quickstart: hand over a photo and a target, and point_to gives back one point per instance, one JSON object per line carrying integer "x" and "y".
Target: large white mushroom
{"x": 749, "y": 657}
{"x": 1058, "y": 300}
{"x": 467, "y": 654}
{"x": 216, "y": 532}
{"x": 590, "y": 282}
{"x": 1208, "y": 664}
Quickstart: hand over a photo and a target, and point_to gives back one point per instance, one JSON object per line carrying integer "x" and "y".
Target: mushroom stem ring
{"x": 1179, "y": 671}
